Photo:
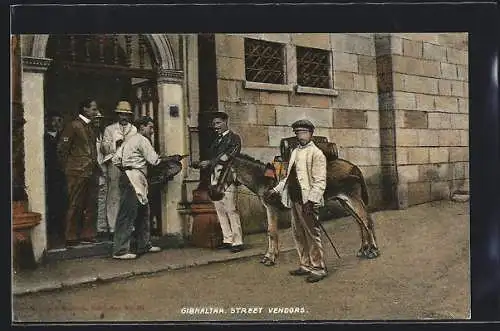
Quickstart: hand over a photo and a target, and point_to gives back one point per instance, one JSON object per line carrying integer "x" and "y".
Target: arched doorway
{"x": 107, "y": 68}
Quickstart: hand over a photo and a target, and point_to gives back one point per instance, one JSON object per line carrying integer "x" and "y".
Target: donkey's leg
{"x": 358, "y": 210}
{"x": 363, "y": 233}
{"x": 371, "y": 226}
{"x": 272, "y": 252}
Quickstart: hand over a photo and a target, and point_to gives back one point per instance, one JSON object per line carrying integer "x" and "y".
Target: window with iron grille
{"x": 264, "y": 61}
{"x": 313, "y": 67}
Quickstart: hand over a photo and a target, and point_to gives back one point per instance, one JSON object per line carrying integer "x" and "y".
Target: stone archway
{"x": 162, "y": 49}
{"x": 172, "y": 129}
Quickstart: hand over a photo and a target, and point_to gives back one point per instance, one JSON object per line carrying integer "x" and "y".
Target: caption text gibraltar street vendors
{"x": 242, "y": 310}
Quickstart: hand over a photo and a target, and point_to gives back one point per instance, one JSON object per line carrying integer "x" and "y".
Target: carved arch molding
{"x": 161, "y": 48}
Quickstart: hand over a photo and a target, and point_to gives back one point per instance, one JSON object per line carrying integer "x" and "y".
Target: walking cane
{"x": 326, "y": 234}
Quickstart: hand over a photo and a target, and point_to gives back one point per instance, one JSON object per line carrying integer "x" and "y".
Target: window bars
{"x": 264, "y": 62}
{"x": 313, "y": 67}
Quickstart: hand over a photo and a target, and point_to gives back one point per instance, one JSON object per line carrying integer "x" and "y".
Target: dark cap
{"x": 143, "y": 120}
{"x": 303, "y": 124}
{"x": 54, "y": 113}
{"x": 220, "y": 114}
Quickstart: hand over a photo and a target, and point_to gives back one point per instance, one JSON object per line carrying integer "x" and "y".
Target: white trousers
{"x": 113, "y": 196}
{"x": 102, "y": 222}
{"x": 229, "y": 218}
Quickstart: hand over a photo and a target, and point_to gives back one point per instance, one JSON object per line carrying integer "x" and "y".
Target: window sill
{"x": 267, "y": 86}
{"x": 316, "y": 90}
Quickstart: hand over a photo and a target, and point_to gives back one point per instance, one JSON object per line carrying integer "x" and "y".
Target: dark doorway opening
{"x": 107, "y": 69}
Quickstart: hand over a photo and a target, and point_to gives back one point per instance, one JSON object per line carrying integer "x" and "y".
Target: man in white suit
{"x": 114, "y": 135}
{"x": 302, "y": 191}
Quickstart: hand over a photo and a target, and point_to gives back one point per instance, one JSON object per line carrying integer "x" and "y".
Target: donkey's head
{"x": 257, "y": 176}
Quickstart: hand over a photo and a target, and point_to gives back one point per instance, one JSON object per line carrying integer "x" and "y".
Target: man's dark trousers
{"x": 132, "y": 221}
{"x": 81, "y": 215}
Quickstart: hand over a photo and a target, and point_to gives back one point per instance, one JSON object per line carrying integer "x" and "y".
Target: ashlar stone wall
{"x": 262, "y": 113}
{"x": 423, "y": 84}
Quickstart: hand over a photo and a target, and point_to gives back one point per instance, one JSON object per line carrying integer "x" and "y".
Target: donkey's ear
{"x": 270, "y": 171}
{"x": 269, "y": 165}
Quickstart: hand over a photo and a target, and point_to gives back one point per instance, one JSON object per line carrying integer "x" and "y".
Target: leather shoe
{"x": 299, "y": 272}
{"x": 72, "y": 243}
{"x": 89, "y": 241}
{"x": 224, "y": 246}
{"x": 237, "y": 248}
{"x": 313, "y": 278}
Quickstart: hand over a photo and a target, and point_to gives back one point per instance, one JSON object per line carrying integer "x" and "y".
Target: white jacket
{"x": 311, "y": 174}
{"x": 112, "y": 133}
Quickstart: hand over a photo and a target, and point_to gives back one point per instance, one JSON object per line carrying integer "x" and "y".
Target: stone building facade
{"x": 395, "y": 104}
{"x": 423, "y": 93}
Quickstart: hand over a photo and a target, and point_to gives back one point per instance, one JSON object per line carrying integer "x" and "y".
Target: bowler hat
{"x": 220, "y": 114}
{"x": 301, "y": 125}
{"x": 124, "y": 107}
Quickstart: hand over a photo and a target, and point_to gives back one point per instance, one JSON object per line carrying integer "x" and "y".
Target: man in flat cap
{"x": 302, "y": 191}
{"x": 222, "y": 148}
{"x": 132, "y": 222}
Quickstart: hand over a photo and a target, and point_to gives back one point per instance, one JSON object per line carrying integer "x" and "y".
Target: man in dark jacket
{"x": 78, "y": 156}
{"x": 55, "y": 181}
{"x": 225, "y": 145}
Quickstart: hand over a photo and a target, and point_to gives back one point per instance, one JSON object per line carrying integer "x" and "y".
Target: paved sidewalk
{"x": 68, "y": 273}
{"x": 72, "y": 272}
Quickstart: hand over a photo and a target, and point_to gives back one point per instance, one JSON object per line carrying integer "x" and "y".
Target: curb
{"x": 103, "y": 278}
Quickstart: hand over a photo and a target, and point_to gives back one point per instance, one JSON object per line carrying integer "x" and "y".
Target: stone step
{"x": 103, "y": 248}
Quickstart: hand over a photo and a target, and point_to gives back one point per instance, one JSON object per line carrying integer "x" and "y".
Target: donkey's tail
{"x": 364, "y": 188}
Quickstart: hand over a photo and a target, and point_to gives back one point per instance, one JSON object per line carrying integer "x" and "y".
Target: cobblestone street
{"x": 423, "y": 273}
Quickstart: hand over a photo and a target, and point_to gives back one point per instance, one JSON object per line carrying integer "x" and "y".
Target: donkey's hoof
{"x": 264, "y": 259}
{"x": 269, "y": 263}
{"x": 362, "y": 252}
{"x": 371, "y": 253}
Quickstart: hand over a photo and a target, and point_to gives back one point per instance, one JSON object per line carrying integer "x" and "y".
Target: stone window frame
{"x": 286, "y": 87}
{"x": 290, "y": 79}
{"x": 316, "y": 59}
{"x": 331, "y": 91}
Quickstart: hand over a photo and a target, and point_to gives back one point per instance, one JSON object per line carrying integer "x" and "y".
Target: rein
{"x": 229, "y": 169}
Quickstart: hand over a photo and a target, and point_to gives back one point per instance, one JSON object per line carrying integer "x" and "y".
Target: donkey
{"x": 345, "y": 184}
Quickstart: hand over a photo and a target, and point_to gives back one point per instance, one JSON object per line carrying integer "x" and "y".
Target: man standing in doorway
{"x": 302, "y": 191}
{"x": 102, "y": 223}
{"x": 55, "y": 181}
{"x": 78, "y": 156}
{"x": 132, "y": 158}
{"x": 224, "y": 146}
{"x": 114, "y": 135}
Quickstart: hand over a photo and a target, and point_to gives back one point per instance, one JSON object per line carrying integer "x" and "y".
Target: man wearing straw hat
{"x": 114, "y": 135}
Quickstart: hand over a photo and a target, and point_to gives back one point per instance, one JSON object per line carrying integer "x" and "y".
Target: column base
{"x": 23, "y": 222}
{"x": 206, "y": 232}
